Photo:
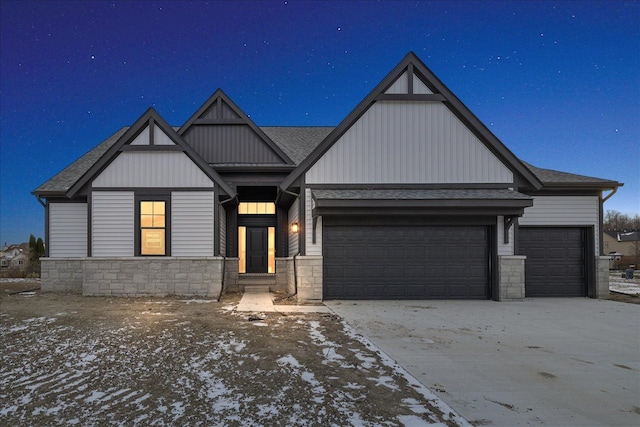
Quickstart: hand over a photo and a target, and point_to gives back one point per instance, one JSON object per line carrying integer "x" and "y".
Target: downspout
{"x": 295, "y": 275}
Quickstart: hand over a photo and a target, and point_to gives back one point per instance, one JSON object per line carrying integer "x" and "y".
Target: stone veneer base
{"x": 134, "y": 276}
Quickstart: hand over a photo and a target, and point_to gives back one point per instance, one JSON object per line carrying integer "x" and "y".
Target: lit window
{"x": 257, "y": 208}
{"x": 152, "y": 228}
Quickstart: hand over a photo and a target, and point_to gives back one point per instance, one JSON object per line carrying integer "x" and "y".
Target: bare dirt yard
{"x": 68, "y": 359}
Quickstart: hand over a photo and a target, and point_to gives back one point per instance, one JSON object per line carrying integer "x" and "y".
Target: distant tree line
{"x": 614, "y": 220}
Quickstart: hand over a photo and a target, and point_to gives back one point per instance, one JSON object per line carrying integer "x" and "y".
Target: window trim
{"x": 166, "y": 198}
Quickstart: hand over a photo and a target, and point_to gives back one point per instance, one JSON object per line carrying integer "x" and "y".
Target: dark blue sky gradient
{"x": 557, "y": 82}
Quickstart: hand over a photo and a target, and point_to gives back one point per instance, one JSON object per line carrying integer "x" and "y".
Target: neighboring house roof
{"x": 624, "y": 235}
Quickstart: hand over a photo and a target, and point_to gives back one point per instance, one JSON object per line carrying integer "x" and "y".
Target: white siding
{"x": 408, "y": 142}
{"x": 504, "y": 248}
{"x": 311, "y": 248}
{"x": 192, "y": 223}
{"x": 564, "y": 210}
{"x": 152, "y": 169}
{"x": 112, "y": 223}
{"x": 222, "y": 217}
{"x": 67, "y": 230}
{"x": 294, "y": 216}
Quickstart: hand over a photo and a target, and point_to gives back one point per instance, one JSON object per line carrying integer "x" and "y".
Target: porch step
{"x": 263, "y": 280}
{"x": 256, "y": 289}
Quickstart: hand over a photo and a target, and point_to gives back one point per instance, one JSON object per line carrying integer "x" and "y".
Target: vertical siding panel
{"x": 192, "y": 223}
{"x": 408, "y": 142}
{"x": 504, "y": 248}
{"x": 112, "y": 223}
{"x": 148, "y": 169}
{"x": 294, "y": 216}
{"x": 67, "y": 230}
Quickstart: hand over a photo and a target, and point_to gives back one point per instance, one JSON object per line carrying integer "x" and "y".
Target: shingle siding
{"x": 67, "y": 230}
{"x": 192, "y": 223}
{"x": 112, "y": 223}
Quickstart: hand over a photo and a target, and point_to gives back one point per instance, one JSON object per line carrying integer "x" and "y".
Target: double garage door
{"x": 405, "y": 262}
{"x": 446, "y": 262}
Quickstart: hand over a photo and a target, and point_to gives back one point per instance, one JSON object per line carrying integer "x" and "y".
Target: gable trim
{"x": 150, "y": 118}
{"x": 450, "y": 100}
{"x": 219, "y": 96}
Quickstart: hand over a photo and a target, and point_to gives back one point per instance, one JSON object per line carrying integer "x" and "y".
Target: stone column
{"x": 602, "y": 277}
{"x": 309, "y": 270}
{"x": 511, "y": 277}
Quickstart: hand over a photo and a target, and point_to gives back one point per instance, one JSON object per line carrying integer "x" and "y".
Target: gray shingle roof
{"x": 297, "y": 142}
{"x": 64, "y": 180}
{"x": 420, "y": 194}
{"x": 549, "y": 176}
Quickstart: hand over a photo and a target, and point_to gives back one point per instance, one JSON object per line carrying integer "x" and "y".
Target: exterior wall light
{"x": 294, "y": 227}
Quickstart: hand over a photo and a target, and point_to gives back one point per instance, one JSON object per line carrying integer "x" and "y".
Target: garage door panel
{"x": 405, "y": 261}
{"x": 556, "y": 261}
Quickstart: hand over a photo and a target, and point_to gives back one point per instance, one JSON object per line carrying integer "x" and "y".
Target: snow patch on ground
{"x": 628, "y": 288}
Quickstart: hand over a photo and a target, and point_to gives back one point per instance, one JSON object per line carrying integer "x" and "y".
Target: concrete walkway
{"x": 258, "y": 299}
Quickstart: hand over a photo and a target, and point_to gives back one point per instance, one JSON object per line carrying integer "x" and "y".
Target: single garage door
{"x": 405, "y": 262}
{"x": 556, "y": 261}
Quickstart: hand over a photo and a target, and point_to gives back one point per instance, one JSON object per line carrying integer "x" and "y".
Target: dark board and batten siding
{"x": 405, "y": 262}
{"x": 230, "y": 144}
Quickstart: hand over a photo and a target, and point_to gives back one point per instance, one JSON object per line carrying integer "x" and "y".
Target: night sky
{"x": 557, "y": 82}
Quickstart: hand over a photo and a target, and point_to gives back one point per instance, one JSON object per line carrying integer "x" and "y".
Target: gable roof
{"x": 298, "y": 141}
{"x": 412, "y": 66}
{"x": 62, "y": 182}
{"x": 68, "y": 182}
{"x": 220, "y": 111}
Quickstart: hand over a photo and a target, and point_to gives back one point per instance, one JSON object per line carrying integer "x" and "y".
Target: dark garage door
{"x": 405, "y": 262}
{"x": 556, "y": 262}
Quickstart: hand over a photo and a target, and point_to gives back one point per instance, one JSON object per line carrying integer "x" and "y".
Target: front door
{"x": 257, "y": 249}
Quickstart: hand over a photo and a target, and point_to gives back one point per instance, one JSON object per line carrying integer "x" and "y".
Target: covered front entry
{"x": 556, "y": 264}
{"x": 256, "y": 237}
{"x": 405, "y": 261}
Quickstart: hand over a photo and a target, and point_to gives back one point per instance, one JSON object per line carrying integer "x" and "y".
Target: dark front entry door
{"x": 257, "y": 247}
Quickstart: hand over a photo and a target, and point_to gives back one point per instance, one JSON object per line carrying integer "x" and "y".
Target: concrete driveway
{"x": 556, "y": 362}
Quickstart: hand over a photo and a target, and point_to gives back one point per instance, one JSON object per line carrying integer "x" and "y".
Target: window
{"x": 257, "y": 208}
{"x": 153, "y": 227}
{"x": 20, "y": 262}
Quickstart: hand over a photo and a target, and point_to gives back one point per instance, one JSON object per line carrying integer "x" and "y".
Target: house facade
{"x": 409, "y": 197}
{"x": 14, "y": 257}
